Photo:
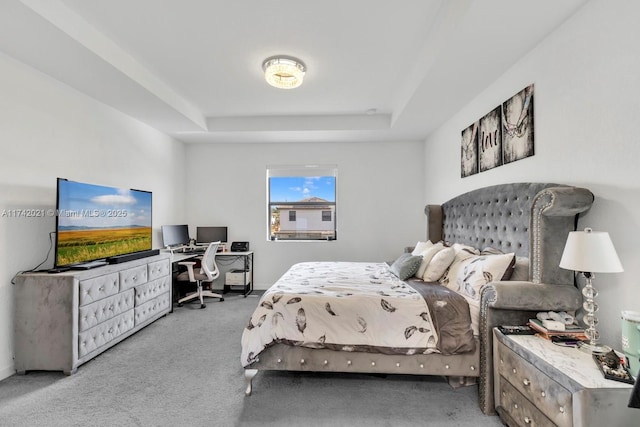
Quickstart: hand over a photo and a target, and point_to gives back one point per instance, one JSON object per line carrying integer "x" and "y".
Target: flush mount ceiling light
{"x": 283, "y": 72}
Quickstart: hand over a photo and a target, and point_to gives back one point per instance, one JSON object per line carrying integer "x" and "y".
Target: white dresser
{"x": 538, "y": 383}
{"x": 64, "y": 320}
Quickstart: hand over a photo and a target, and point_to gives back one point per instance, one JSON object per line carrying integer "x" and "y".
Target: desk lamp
{"x": 590, "y": 252}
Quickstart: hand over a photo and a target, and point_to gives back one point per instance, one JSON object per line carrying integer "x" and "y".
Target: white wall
{"x": 379, "y": 200}
{"x": 48, "y": 130}
{"x": 587, "y": 105}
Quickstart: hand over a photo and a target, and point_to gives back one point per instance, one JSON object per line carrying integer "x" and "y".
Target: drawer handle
{"x": 526, "y": 382}
{"x": 527, "y": 420}
{"x": 562, "y": 409}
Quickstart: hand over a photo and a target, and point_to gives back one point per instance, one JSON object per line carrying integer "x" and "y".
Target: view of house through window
{"x": 302, "y": 202}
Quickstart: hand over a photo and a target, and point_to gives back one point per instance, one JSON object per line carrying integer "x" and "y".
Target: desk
{"x": 229, "y": 259}
{"x": 225, "y": 261}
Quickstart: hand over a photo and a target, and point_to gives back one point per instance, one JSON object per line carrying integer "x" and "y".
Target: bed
{"x": 361, "y": 317}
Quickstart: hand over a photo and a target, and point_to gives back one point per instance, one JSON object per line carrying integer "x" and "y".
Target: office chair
{"x": 208, "y": 273}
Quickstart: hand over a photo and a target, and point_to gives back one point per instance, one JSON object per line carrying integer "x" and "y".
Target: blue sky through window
{"x": 296, "y": 188}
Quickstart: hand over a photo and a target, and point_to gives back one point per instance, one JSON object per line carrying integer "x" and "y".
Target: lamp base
{"x": 593, "y": 348}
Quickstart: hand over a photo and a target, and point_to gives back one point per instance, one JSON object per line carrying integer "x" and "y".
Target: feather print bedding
{"x": 347, "y": 306}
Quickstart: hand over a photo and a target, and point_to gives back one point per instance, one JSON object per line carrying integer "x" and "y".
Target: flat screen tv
{"x": 96, "y": 222}
{"x": 175, "y": 235}
{"x": 211, "y": 234}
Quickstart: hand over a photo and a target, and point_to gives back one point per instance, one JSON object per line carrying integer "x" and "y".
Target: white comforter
{"x": 349, "y": 306}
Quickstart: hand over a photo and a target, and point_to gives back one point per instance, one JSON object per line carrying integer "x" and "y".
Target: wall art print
{"x": 469, "y": 155}
{"x": 490, "y": 140}
{"x": 517, "y": 126}
{"x": 502, "y": 136}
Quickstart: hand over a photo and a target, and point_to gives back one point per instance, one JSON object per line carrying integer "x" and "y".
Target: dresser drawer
{"x": 520, "y": 410}
{"x": 133, "y": 277}
{"x": 149, "y": 291}
{"x": 100, "y": 311}
{"x": 159, "y": 269}
{"x": 548, "y": 396}
{"x": 102, "y": 334}
{"x": 97, "y": 288}
{"x": 152, "y": 308}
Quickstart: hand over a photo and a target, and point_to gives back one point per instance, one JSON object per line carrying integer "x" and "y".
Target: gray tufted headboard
{"x": 530, "y": 219}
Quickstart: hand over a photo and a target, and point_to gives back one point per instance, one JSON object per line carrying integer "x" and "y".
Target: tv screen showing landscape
{"x": 98, "y": 222}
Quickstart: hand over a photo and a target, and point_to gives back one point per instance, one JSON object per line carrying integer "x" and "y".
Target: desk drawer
{"x": 97, "y": 288}
{"x": 543, "y": 392}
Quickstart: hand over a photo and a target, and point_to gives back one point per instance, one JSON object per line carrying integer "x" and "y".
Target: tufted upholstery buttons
{"x": 471, "y": 213}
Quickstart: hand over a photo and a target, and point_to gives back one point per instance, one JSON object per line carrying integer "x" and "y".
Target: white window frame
{"x": 306, "y": 224}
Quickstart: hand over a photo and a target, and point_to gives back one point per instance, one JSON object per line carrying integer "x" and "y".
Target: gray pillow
{"x": 406, "y": 266}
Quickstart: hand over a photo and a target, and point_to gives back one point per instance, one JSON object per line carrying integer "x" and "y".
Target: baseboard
{"x": 6, "y": 372}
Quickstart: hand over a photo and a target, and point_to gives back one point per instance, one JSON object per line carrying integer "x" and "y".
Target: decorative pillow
{"x": 439, "y": 264}
{"x": 459, "y": 247}
{"x": 468, "y": 275}
{"x": 405, "y": 266}
{"x": 421, "y": 247}
{"x": 491, "y": 251}
{"x": 427, "y": 255}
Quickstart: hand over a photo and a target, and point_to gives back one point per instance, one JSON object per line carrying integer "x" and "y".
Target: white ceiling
{"x": 192, "y": 68}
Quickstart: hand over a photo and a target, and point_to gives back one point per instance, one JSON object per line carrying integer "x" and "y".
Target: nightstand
{"x": 538, "y": 383}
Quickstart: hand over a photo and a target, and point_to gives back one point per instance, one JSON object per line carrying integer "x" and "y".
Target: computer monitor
{"x": 206, "y": 235}
{"x": 175, "y": 235}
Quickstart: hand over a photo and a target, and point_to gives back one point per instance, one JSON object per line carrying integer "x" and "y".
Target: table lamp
{"x": 589, "y": 252}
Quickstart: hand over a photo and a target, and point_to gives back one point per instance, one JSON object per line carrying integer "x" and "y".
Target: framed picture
{"x": 517, "y": 126}
{"x": 469, "y": 151}
{"x": 490, "y": 140}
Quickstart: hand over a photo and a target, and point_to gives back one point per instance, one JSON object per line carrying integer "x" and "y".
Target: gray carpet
{"x": 184, "y": 370}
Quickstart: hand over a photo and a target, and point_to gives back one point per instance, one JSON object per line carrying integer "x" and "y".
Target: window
{"x": 301, "y": 202}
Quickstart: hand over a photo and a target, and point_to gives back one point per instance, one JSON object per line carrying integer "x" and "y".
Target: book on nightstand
{"x": 573, "y": 332}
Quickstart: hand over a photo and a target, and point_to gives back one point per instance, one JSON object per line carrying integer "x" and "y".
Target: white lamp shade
{"x": 590, "y": 251}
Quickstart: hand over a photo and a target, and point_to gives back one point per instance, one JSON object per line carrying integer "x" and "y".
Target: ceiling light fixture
{"x": 283, "y": 72}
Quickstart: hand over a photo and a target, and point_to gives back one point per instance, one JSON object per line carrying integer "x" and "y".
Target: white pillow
{"x": 459, "y": 247}
{"x": 421, "y": 247}
{"x": 439, "y": 264}
{"x": 468, "y": 275}
{"x": 427, "y": 255}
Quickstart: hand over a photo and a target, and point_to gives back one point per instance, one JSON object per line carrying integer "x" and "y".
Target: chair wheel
{"x": 221, "y": 299}
{"x": 203, "y": 305}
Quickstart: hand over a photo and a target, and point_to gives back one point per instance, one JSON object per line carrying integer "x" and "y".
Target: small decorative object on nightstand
{"x": 590, "y": 252}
